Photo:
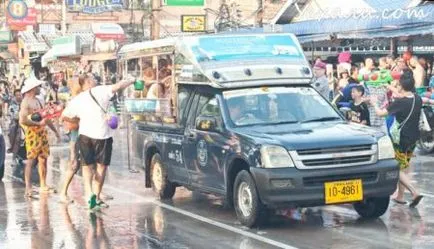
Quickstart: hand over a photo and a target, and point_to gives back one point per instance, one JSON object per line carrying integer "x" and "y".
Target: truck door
{"x": 174, "y": 152}
{"x": 203, "y": 150}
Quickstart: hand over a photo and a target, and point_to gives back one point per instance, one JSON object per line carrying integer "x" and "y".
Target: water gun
{"x": 379, "y": 78}
{"x": 50, "y": 111}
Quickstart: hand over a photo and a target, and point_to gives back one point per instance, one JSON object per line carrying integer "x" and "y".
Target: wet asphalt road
{"x": 136, "y": 219}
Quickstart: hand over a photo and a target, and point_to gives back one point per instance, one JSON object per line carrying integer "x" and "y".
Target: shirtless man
{"x": 36, "y": 136}
{"x": 419, "y": 73}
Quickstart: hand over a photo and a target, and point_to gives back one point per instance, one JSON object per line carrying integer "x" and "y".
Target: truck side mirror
{"x": 346, "y": 112}
{"x": 206, "y": 123}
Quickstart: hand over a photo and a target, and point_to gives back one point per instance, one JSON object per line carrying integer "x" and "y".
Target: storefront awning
{"x": 33, "y": 42}
{"x": 48, "y": 57}
{"x": 108, "y": 31}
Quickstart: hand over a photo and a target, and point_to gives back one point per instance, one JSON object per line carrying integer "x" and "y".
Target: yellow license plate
{"x": 343, "y": 191}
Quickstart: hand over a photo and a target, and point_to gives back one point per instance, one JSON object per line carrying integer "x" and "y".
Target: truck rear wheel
{"x": 160, "y": 184}
{"x": 372, "y": 208}
{"x": 249, "y": 209}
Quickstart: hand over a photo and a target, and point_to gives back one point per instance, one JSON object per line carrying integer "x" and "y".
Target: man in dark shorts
{"x": 95, "y": 139}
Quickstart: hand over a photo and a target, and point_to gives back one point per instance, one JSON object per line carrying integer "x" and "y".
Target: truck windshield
{"x": 278, "y": 105}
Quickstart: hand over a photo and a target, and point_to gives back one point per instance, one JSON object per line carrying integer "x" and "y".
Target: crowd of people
{"x": 31, "y": 137}
{"x": 372, "y": 102}
{"x": 384, "y": 104}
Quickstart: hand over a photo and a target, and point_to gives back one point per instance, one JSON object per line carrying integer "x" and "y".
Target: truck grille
{"x": 320, "y": 180}
{"x": 335, "y": 150}
{"x": 342, "y": 160}
{"x": 335, "y": 157}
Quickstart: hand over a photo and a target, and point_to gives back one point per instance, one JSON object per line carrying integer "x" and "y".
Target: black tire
{"x": 426, "y": 143}
{"x": 372, "y": 208}
{"x": 254, "y": 214}
{"x": 165, "y": 189}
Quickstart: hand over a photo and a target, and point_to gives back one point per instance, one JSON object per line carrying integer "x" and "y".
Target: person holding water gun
{"x": 36, "y": 135}
{"x": 377, "y": 84}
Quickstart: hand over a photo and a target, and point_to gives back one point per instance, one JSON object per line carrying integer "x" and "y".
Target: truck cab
{"x": 247, "y": 125}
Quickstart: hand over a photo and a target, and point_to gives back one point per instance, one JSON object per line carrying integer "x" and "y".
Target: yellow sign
{"x": 193, "y": 23}
{"x": 343, "y": 191}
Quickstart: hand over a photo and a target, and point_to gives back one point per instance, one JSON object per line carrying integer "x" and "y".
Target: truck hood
{"x": 311, "y": 136}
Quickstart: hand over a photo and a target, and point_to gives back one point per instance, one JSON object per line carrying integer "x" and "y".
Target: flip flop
{"x": 47, "y": 190}
{"x": 416, "y": 201}
{"x": 92, "y": 202}
{"x": 400, "y": 202}
{"x": 106, "y": 197}
{"x": 102, "y": 204}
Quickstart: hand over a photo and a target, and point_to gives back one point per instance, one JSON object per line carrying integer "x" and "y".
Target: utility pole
{"x": 63, "y": 21}
{"x": 155, "y": 17}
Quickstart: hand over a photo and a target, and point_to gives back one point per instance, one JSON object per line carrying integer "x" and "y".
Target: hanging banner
{"x": 193, "y": 23}
{"x": 19, "y": 15}
{"x": 94, "y": 6}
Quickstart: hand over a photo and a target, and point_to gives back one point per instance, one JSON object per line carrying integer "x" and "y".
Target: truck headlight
{"x": 385, "y": 148}
{"x": 275, "y": 157}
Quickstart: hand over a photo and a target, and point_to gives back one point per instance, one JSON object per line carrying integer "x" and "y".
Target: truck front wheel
{"x": 248, "y": 207}
{"x": 372, "y": 208}
{"x": 160, "y": 184}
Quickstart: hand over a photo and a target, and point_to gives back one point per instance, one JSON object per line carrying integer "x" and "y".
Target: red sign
{"x": 19, "y": 24}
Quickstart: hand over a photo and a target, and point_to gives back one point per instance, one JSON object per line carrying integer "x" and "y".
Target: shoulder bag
{"x": 112, "y": 120}
{"x": 395, "y": 129}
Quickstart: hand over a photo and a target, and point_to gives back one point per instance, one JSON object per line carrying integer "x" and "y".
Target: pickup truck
{"x": 259, "y": 135}
{"x": 230, "y": 143}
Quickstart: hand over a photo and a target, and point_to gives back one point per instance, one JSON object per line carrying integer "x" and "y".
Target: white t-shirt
{"x": 93, "y": 121}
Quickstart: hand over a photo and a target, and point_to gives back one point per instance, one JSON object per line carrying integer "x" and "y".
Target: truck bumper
{"x": 291, "y": 187}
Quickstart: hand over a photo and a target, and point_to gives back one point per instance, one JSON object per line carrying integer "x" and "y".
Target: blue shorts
{"x": 73, "y": 136}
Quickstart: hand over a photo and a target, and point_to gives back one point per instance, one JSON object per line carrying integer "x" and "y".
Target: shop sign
{"x": 19, "y": 14}
{"x": 5, "y": 36}
{"x": 67, "y": 45}
{"x": 36, "y": 47}
{"x": 184, "y": 2}
{"x": 94, "y": 6}
{"x": 193, "y": 23}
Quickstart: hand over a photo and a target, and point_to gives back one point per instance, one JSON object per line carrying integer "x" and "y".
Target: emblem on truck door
{"x": 202, "y": 153}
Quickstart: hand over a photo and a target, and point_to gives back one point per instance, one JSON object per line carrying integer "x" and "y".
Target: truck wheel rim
{"x": 157, "y": 176}
{"x": 245, "y": 201}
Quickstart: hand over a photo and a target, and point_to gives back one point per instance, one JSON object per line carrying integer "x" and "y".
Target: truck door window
{"x": 209, "y": 107}
{"x": 183, "y": 96}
